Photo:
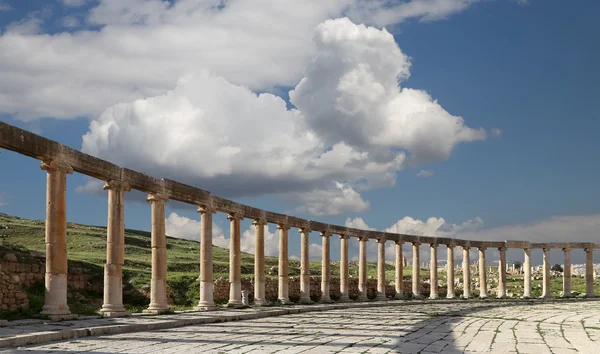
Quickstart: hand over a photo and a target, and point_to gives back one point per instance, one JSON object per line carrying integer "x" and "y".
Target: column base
{"x": 381, "y": 297}
{"x": 345, "y": 299}
{"x": 305, "y": 301}
{"x": 362, "y": 298}
{"x": 109, "y": 313}
{"x": 284, "y": 301}
{"x": 450, "y": 296}
{"x": 236, "y": 304}
{"x": 566, "y": 295}
{"x": 326, "y": 301}
{"x": 158, "y": 311}
{"x": 484, "y": 296}
{"x": 205, "y": 308}
{"x": 261, "y": 302}
{"x": 433, "y": 297}
{"x": 50, "y": 310}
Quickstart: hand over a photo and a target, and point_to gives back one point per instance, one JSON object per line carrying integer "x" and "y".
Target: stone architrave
{"x": 158, "y": 283}
{"x": 399, "y": 278}
{"x": 259, "y": 263}
{"x": 344, "y": 273}
{"x": 206, "y": 302}
{"x": 416, "y": 283}
{"x": 235, "y": 264}
{"x": 282, "y": 269}
{"x": 483, "y": 293}
{"x": 381, "y": 269}
{"x": 433, "y": 275}
{"x": 304, "y": 267}
{"x": 55, "y": 297}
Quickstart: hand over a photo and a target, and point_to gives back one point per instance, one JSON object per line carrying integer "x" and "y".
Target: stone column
{"x": 344, "y": 274}
{"x": 466, "y": 266}
{"x": 381, "y": 269}
{"x": 450, "y": 272}
{"x": 482, "y": 274}
{"x": 362, "y": 269}
{"x": 567, "y": 273}
{"x": 325, "y": 267}
{"x": 282, "y": 268}
{"x": 235, "y": 264}
{"x": 399, "y": 279}
{"x": 589, "y": 272}
{"x": 527, "y": 273}
{"x": 433, "y": 275}
{"x": 206, "y": 262}
{"x": 55, "y": 297}
{"x": 546, "y": 273}
{"x": 501, "y": 293}
{"x": 259, "y": 263}
{"x": 416, "y": 286}
{"x": 304, "y": 267}
{"x": 115, "y": 251}
{"x": 158, "y": 283}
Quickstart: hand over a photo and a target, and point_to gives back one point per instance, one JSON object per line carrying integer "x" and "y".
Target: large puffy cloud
{"x": 208, "y": 131}
{"x": 142, "y": 47}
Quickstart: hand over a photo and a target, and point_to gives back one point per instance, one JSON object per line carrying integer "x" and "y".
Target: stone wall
{"x": 221, "y": 288}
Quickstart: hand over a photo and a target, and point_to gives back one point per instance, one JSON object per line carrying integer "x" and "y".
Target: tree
{"x": 557, "y": 268}
{"x": 517, "y": 264}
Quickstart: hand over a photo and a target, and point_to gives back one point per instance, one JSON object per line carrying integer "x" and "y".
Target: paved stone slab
{"x": 459, "y": 327}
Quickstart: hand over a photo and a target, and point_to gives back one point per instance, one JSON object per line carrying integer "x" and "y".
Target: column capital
{"x": 482, "y": 248}
{"x": 261, "y": 222}
{"x": 466, "y": 248}
{"x": 415, "y": 243}
{"x": 304, "y": 229}
{"x": 117, "y": 186}
{"x": 206, "y": 209}
{"x": 325, "y": 234}
{"x": 234, "y": 216}
{"x": 363, "y": 238}
{"x": 566, "y": 249}
{"x": 451, "y": 245}
{"x": 527, "y": 249}
{"x": 380, "y": 239}
{"x": 344, "y": 237}
{"x": 588, "y": 249}
{"x": 54, "y": 165}
{"x": 157, "y": 197}
{"x": 283, "y": 226}
{"x": 502, "y": 248}
{"x": 399, "y": 242}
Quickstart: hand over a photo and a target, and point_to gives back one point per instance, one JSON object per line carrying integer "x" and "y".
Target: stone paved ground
{"x": 428, "y": 328}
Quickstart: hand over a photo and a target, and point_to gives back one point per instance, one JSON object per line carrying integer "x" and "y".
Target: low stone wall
{"x": 221, "y": 288}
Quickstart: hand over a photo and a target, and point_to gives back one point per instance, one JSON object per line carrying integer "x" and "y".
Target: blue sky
{"x": 528, "y": 70}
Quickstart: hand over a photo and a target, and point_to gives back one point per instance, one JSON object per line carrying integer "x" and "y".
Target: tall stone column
{"x": 325, "y": 267}
{"x": 589, "y": 272}
{"x": 527, "y": 273}
{"x": 416, "y": 286}
{"x": 362, "y": 269}
{"x": 546, "y": 273}
{"x": 482, "y": 274}
{"x": 235, "y": 264}
{"x": 344, "y": 274}
{"x": 450, "y": 272}
{"x": 567, "y": 273}
{"x": 158, "y": 283}
{"x": 206, "y": 262}
{"x": 304, "y": 268}
{"x": 115, "y": 251}
{"x": 55, "y": 298}
{"x": 433, "y": 275}
{"x": 259, "y": 263}
{"x": 399, "y": 279}
{"x": 282, "y": 268}
{"x": 381, "y": 269}
{"x": 501, "y": 293}
{"x": 466, "y": 266}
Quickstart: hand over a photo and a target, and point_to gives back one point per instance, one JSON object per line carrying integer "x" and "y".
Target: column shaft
{"x": 466, "y": 266}
{"x": 158, "y": 283}
{"x": 115, "y": 251}
{"x": 416, "y": 286}
{"x": 527, "y": 273}
{"x": 381, "y": 269}
{"x": 344, "y": 274}
{"x": 589, "y": 272}
{"x": 501, "y": 293}
{"x": 206, "y": 262}
{"x": 399, "y": 279}
{"x": 235, "y": 264}
{"x": 433, "y": 275}
{"x": 55, "y": 299}
{"x": 304, "y": 267}
{"x": 259, "y": 263}
{"x": 546, "y": 273}
{"x": 282, "y": 268}
{"x": 362, "y": 269}
{"x": 482, "y": 274}
{"x": 567, "y": 273}
{"x": 325, "y": 267}
{"x": 450, "y": 272}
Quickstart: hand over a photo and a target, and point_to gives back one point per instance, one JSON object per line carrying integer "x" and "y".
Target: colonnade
{"x": 56, "y": 259}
